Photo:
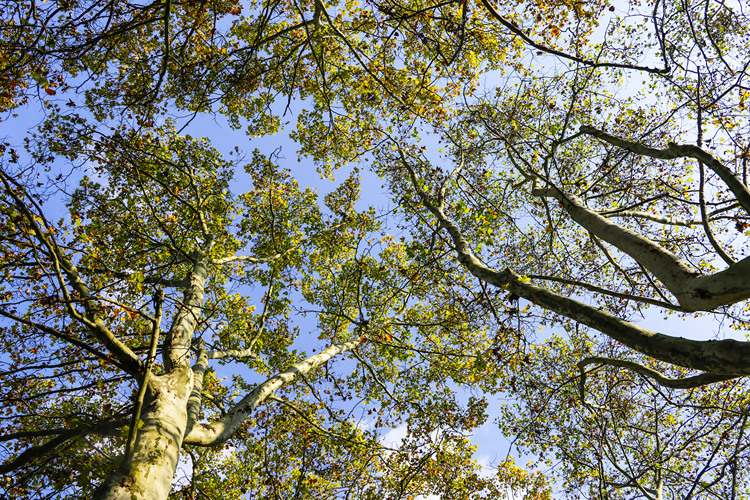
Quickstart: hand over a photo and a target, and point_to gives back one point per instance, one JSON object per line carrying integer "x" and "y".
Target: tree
{"x": 89, "y": 300}
{"x": 95, "y": 384}
{"x": 572, "y": 187}
{"x": 593, "y": 204}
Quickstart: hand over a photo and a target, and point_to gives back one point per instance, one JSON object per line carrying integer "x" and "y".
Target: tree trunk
{"x": 150, "y": 473}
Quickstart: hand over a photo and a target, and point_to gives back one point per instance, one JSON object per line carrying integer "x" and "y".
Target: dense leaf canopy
{"x": 547, "y": 179}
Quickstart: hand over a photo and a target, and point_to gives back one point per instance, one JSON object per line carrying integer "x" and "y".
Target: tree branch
{"x": 321, "y": 429}
{"x": 179, "y": 339}
{"x": 636, "y": 214}
{"x": 130, "y": 446}
{"x": 674, "y": 151}
{"x": 92, "y": 320}
{"x": 34, "y": 452}
{"x": 513, "y": 28}
{"x": 271, "y": 258}
{"x": 672, "y": 383}
{"x": 375, "y": 376}
{"x": 693, "y": 291}
{"x": 604, "y": 291}
{"x": 704, "y": 217}
{"x": 219, "y": 432}
{"x": 195, "y": 400}
{"x": 150, "y": 280}
{"x": 727, "y": 357}
{"x": 61, "y": 336}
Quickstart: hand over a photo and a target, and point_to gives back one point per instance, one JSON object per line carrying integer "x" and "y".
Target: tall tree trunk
{"x": 150, "y": 473}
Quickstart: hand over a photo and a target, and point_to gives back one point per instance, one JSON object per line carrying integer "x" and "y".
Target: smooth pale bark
{"x": 218, "y": 432}
{"x": 174, "y": 403}
{"x": 157, "y": 448}
{"x": 636, "y": 214}
{"x": 715, "y": 356}
{"x": 675, "y": 151}
{"x": 693, "y": 291}
{"x": 170, "y": 422}
{"x": 149, "y": 474}
{"x": 195, "y": 400}
{"x": 176, "y": 350}
{"x": 721, "y": 357}
{"x": 673, "y": 383}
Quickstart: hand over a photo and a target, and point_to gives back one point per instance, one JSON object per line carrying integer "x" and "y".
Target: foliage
{"x": 563, "y": 166}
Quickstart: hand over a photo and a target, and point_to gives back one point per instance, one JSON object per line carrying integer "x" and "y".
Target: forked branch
{"x": 724, "y": 357}
{"x": 675, "y": 151}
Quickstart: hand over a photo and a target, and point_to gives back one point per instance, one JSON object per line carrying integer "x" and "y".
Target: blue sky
{"x": 491, "y": 446}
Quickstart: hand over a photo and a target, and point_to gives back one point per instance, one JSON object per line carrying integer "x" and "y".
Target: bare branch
{"x": 314, "y": 424}
{"x": 704, "y": 217}
{"x": 106, "y": 428}
{"x": 605, "y": 291}
{"x": 62, "y": 336}
{"x": 271, "y": 258}
{"x": 375, "y": 376}
{"x": 149, "y": 280}
{"x": 611, "y": 259}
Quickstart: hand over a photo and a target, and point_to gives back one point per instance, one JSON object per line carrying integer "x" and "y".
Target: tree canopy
{"x": 187, "y": 321}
